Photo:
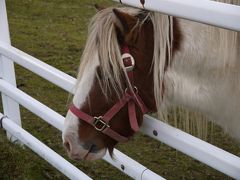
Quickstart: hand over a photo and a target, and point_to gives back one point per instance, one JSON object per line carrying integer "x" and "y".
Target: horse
{"x": 138, "y": 62}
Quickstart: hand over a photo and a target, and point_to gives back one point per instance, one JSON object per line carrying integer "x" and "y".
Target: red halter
{"x": 130, "y": 97}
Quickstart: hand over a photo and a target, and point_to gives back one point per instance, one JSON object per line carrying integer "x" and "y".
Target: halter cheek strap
{"x": 131, "y": 98}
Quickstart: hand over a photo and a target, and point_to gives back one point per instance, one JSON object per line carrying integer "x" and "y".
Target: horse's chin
{"x": 89, "y": 156}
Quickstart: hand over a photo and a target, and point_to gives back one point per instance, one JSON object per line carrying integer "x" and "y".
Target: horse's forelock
{"x": 102, "y": 40}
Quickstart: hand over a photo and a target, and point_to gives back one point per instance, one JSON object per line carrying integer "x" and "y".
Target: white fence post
{"x": 7, "y": 72}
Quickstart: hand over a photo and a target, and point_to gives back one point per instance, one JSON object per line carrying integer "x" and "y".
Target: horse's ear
{"x": 98, "y": 7}
{"x": 125, "y": 22}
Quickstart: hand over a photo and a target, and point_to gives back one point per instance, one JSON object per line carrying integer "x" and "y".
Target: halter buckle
{"x": 99, "y": 124}
{"x": 128, "y": 61}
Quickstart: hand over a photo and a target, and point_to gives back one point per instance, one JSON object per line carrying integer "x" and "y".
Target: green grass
{"x": 55, "y": 32}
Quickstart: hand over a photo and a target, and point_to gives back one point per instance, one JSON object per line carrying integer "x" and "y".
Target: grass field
{"x": 55, "y": 31}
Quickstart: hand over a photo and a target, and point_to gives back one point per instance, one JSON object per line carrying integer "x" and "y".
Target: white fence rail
{"x": 204, "y": 11}
{"x": 218, "y": 14}
{"x": 196, "y": 148}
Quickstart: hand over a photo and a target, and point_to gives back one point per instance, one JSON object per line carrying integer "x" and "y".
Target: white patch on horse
{"x": 205, "y": 76}
{"x": 83, "y": 88}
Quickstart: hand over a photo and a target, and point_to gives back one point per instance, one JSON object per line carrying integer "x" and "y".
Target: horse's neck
{"x": 204, "y": 75}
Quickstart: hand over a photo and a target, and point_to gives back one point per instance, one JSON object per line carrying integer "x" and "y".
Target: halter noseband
{"x": 130, "y": 97}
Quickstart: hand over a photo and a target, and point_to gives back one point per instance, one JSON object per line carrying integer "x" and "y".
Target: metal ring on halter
{"x": 98, "y": 121}
{"x": 125, "y": 56}
{"x": 1, "y": 120}
{"x": 135, "y": 89}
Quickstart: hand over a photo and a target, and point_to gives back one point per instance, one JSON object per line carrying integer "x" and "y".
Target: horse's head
{"x": 109, "y": 93}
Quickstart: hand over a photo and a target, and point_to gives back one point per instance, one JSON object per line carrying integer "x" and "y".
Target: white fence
{"x": 12, "y": 96}
{"x": 205, "y": 11}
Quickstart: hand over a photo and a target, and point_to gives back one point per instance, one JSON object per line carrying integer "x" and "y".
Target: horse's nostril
{"x": 67, "y": 146}
{"x": 94, "y": 148}
{"x": 91, "y": 147}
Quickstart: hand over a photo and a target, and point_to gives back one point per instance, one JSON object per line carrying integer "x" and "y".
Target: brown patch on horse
{"x": 177, "y": 36}
{"x": 140, "y": 40}
{"x": 177, "y": 40}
